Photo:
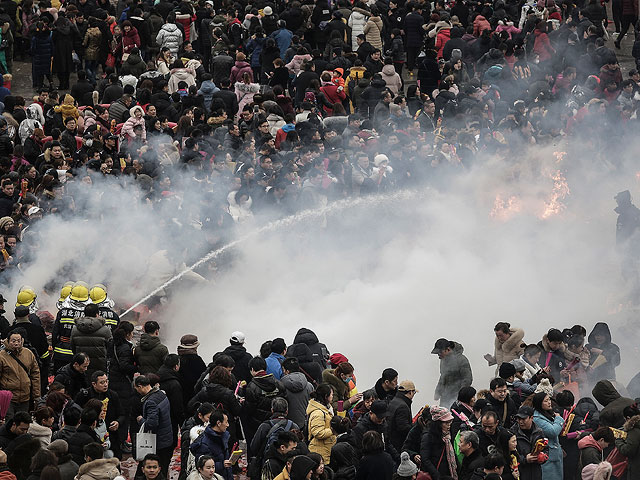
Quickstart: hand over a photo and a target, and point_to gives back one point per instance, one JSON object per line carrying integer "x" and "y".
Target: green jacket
{"x": 149, "y": 354}
{"x": 630, "y": 446}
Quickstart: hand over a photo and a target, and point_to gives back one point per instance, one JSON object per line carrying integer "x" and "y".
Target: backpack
{"x": 283, "y": 425}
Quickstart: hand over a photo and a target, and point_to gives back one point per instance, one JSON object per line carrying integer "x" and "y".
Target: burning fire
{"x": 559, "y": 156}
{"x": 554, "y": 205}
{"x": 504, "y": 210}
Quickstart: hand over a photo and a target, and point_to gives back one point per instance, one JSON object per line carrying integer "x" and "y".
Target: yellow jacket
{"x": 284, "y": 475}
{"x": 320, "y": 433}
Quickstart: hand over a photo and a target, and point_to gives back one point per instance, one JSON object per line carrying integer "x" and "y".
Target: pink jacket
{"x": 127, "y": 127}
{"x": 480, "y": 24}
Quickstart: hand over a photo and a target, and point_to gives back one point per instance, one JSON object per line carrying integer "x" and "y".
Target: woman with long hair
{"x": 205, "y": 469}
{"x": 190, "y": 430}
{"x": 551, "y": 424}
{"x": 320, "y": 413}
{"x": 436, "y": 448}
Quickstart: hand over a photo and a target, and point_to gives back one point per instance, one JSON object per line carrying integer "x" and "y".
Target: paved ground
{"x": 21, "y": 84}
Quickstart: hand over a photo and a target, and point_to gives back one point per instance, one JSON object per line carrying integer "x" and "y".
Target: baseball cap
{"x": 440, "y": 345}
{"x": 379, "y": 408}
{"x": 407, "y": 386}
{"x": 21, "y": 311}
{"x": 525, "y": 412}
{"x": 237, "y": 337}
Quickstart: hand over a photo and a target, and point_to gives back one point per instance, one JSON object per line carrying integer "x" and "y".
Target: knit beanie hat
{"x": 407, "y": 468}
{"x": 506, "y": 370}
{"x": 456, "y": 54}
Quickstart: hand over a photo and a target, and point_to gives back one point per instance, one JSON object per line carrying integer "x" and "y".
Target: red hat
{"x": 336, "y": 359}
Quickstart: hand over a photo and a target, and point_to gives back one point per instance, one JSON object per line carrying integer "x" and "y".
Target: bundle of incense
{"x": 567, "y": 425}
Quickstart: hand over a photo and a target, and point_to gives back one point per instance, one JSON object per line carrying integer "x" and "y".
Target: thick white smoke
{"x": 380, "y": 284}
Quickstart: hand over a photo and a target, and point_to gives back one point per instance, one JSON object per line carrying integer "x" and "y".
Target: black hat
{"x": 441, "y": 344}
{"x": 21, "y": 311}
{"x": 506, "y": 370}
{"x": 379, "y": 408}
{"x": 2, "y": 299}
{"x": 524, "y": 412}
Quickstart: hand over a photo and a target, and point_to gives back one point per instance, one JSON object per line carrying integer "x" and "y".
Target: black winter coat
{"x": 411, "y": 444}
{"x": 122, "y": 369}
{"x": 83, "y": 436}
{"x": 170, "y": 384}
{"x": 191, "y": 367}
{"x": 242, "y": 358}
{"x": 526, "y": 444}
{"x": 63, "y": 46}
{"x": 72, "y": 380}
{"x": 156, "y": 413}
{"x": 308, "y": 366}
{"x": 432, "y": 454}
{"x": 259, "y": 393}
{"x": 216, "y": 394}
{"x": 115, "y": 412}
{"x": 376, "y": 466}
{"x": 413, "y": 30}
{"x": 41, "y": 52}
{"x": 399, "y": 420}
{"x": 363, "y": 426}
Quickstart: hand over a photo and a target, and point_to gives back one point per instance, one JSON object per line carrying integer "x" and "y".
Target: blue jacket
{"x": 274, "y": 365}
{"x": 283, "y": 40}
{"x": 214, "y": 444}
{"x": 207, "y": 89}
{"x": 156, "y": 416}
{"x": 552, "y": 468}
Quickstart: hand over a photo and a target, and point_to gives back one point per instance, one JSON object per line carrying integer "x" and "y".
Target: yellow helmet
{"x": 79, "y": 292}
{"x": 26, "y": 297}
{"x": 65, "y": 290}
{"x": 98, "y": 293}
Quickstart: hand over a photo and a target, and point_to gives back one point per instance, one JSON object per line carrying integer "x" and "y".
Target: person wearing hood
{"x": 156, "y": 417}
{"x": 136, "y": 119}
{"x": 343, "y": 458}
{"x": 391, "y": 77}
{"x": 150, "y": 353}
{"x": 71, "y": 308}
{"x": 629, "y": 446}
{"x": 614, "y": 404}
{"x": 259, "y": 392}
{"x": 605, "y": 356}
{"x": 207, "y": 89}
{"x": 298, "y": 390}
{"x": 455, "y": 370}
{"x": 592, "y": 446}
{"x": 319, "y": 350}
{"x": 301, "y": 352}
{"x": 91, "y": 336}
{"x": 170, "y": 36}
{"x": 301, "y": 468}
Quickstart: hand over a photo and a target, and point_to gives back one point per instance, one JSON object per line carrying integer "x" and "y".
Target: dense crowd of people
{"x": 297, "y": 411}
{"x": 265, "y": 109}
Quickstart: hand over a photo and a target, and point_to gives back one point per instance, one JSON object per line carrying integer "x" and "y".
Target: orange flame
{"x": 559, "y": 156}
{"x": 504, "y": 210}
{"x": 554, "y": 205}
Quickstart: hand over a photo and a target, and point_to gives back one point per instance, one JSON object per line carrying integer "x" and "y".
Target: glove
{"x": 542, "y": 457}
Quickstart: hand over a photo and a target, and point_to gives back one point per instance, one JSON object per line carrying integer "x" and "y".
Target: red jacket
{"x": 130, "y": 40}
{"x": 443, "y": 37}
{"x": 334, "y": 94}
{"x": 480, "y": 24}
{"x": 542, "y": 46}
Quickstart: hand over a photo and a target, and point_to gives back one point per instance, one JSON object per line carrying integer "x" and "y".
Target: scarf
{"x": 451, "y": 456}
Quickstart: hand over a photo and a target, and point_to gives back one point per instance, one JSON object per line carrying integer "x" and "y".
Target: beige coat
{"x": 101, "y": 469}
{"x": 509, "y": 350}
{"x": 373, "y": 32}
{"x": 320, "y": 433}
